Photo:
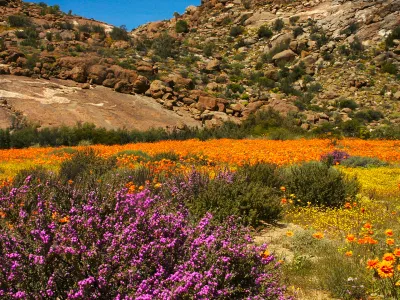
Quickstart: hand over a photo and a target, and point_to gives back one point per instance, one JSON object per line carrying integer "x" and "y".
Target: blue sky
{"x": 131, "y": 13}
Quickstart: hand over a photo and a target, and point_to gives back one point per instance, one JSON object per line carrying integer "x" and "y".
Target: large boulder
{"x": 123, "y": 74}
{"x": 206, "y": 102}
{"x": 284, "y": 56}
{"x": 157, "y": 89}
{"x": 123, "y": 86}
{"x": 78, "y": 74}
{"x": 282, "y": 106}
{"x": 141, "y": 85}
{"x": 97, "y": 74}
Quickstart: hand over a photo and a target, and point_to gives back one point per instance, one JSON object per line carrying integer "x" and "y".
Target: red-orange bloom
{"x": 389, "y": 257}
{"x": 389, "y": 232}
{"x": 350, "y": 238}
{"x": 372, "y": 263}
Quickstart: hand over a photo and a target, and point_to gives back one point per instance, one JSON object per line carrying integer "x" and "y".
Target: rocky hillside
{"x": 321, "y": 62}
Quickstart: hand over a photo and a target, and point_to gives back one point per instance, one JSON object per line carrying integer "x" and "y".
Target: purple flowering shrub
{"x": 335, "y": 157}
{"x": 125, "y": 246}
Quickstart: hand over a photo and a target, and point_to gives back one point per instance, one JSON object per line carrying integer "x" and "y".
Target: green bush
{"x": 390, "y": 68}
{"x": 36, "y": 174}
{"x": 181, "y": 26}
{"x": 266, "y": 174}
{"x": 264, "y": 32}
{"x": 19, "y": 21}
{"x": 394, "y": 35}
{"x": 369, "y": 115}
{"x": 85, "y": 164}
{"x": 298, "y": 31}
{"x": 319, "y": 184}
{"x": 172, "y": 156}
{"x": 165, "y": 46}
{"x": 363, "y": 161}
{"x": 236, "y": 31}
{"x": 252, "y": 202}
{"x": 208, "y": 49}
{"x": 119, "y": 33}
{"x": 278, "y": 25}
{"x": 293, "y": 20}
{"x": 347, "y": 103}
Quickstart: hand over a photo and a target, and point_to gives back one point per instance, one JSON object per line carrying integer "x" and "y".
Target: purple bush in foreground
{"x": 131, "y": 246}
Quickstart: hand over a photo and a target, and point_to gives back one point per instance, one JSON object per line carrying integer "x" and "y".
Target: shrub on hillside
{"x": 319, "y": 184}
{"x": 347, "y": 103}
{"x": 264, "y": 32}
{"x": 394, "y": 35}
{"x": 19, "y": 21}
{"x": 236, "y": 31}
{"x": 278, "y": 25}
{"x": 119, "y": 33}
{"x": 181, "y": 26}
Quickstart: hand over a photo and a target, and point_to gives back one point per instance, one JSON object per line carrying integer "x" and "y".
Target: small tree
{"x": 236, "y": 31}
{"x": 182, "y": 26}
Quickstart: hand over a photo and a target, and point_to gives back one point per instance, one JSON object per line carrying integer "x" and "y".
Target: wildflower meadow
{"x": 216, "y": 219}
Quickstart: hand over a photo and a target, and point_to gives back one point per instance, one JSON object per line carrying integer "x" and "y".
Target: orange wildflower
{"x": 390, "y": 242}
{"x": 389, "y": 232}
{"x": 318, "y": 235}
{"x": 64, "y": 220}
{"x": 372, "y": 263}
{"x": 283, "y": 189}
{"x": 389, "y": 257}
{"x": 347, "y": 205}
{"x": 265, "y": 254}
{"x": 283, "y": 201}
{"x": 367, "y": 226}
{"x": 289, "y": 233}
{"x": 396, "y": 252}
{"x": 385, "y": 269}
{"x": 349, "y": 253}
{"x": 350, "y": 238}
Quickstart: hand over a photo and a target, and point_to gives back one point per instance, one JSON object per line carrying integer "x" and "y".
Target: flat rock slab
{"x": 60, "y": 102}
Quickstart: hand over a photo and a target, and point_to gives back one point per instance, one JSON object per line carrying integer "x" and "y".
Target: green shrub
{"x": 208, "y": 49}
{"x": 298, "y": 31}
{"x": 347, "y": 103}
{"x": 293, "y": 20}
{"x": 235, "y": 88}
{"x": 394, "y": 35}
{"x": 369, "y": 115}
{"x": 236, "y": 31}
{"x": 181, "y": 26}
{"x": 264, "y": 32}
{"x": 36, "y": 174}
{"x": 172, "y": 156}
{"x": 165, "y": 46}
{"x": 84, "y": 164}
{"x": 278, "y": 25}
{"x": 363, "y": 161}
{"x": 252, "y": 202}
{"x": 264, "y": 173}
{"x": 351, "y": 29}
{"x": 19, "y": 21}
{"x": 390, "y": 68}
{"x": 319, "y": 184}
{"x": 119, "y": 33}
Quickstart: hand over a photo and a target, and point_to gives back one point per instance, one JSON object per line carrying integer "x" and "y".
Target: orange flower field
{"x": 227, "y": 151}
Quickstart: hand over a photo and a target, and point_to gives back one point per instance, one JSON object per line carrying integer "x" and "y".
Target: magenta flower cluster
{"x": 128, "y": 246}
